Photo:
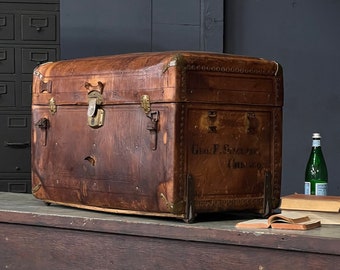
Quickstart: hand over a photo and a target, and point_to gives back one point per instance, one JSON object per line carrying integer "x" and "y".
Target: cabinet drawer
{"x": 26, "y": 94}
{"x": 7, "y": 60}
{"x": 38, "y": 27}
{"x": 18, "y": 186}
{"x": 7, "y": 94}
{"x": 34, "y": 57}
{"x": 15, "y": 145}
{"x": 6, "y": 26}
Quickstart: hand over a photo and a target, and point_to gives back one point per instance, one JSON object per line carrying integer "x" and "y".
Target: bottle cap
{"x": 316, "y": 136}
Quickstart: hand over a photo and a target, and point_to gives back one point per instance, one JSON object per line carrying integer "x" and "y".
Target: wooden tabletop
{"x": 25, "y": 209}
{"x": 36, "y": 236}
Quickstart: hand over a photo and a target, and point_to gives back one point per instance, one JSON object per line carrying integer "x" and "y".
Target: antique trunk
{"x": 166, "y": 134}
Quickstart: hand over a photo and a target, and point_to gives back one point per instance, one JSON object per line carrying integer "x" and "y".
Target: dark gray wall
{"x": 304, "y": 36}
{"x": 103, "y": 27}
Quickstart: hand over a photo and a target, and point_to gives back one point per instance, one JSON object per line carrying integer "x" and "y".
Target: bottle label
{"x": 321, "y": 189}
{"x": 307, "y": 188}
{"x": 316, "y": 143}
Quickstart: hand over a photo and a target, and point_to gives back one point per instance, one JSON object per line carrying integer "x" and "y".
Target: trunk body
{"x": 165, "y": 134}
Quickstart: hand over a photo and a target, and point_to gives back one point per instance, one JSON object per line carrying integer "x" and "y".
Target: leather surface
{"x": 218, "y": 133}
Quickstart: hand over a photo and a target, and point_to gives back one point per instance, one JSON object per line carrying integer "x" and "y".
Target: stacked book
{"x": 323, "y": 208}
{"x": 300, "y": 212}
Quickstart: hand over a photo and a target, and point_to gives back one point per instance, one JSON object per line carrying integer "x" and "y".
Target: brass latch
{"x": 52, "y": 105}
{"x": 154, "y": 117}
{"x": 95, "y": 114}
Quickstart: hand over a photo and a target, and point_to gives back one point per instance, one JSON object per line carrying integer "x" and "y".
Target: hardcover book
{"x": 310, "y": 203}
{"x": 324, "y": 208}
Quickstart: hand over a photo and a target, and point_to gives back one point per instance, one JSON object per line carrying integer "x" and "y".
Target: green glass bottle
{"x": 316, "y": 175}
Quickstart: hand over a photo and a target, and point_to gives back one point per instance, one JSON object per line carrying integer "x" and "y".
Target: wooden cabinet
{"x": 29, "y": 36}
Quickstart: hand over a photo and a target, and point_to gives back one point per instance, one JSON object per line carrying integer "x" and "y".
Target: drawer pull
{"x": 38, "y": 57}
{"x": 38, "y": 23}
{"x": 17, "y": 144}
{"x": 3, "y": 89}
{"x": 2, "y": 21}
{"x": 3, "y": 55}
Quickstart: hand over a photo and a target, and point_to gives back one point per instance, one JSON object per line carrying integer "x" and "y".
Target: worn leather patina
{"x": 167, "y": 134}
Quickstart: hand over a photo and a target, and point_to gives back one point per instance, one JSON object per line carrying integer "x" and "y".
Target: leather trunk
{"x": 165, "y": 134}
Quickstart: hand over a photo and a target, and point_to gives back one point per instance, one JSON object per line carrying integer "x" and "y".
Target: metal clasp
{"x": 95, "y": 114}
{"x": 153, "y": 128}
{"x": 154, "y": 117}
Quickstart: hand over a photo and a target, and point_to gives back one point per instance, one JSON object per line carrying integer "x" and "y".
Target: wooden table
{"x": 36, "y": 236}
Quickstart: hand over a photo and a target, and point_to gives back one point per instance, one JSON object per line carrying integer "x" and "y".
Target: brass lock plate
{"x": 145, "y": 103}
{"x": 95, "y": 114}
{"x": 97, "y": 120}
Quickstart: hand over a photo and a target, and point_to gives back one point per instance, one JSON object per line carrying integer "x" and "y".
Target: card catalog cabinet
{"x": 29, "y": 36}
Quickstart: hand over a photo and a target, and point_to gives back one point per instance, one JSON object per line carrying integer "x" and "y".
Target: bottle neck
{"x": 316, "y": 143}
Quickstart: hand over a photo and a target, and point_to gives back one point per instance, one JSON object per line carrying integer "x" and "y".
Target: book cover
{"x": 310, "y": 203}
